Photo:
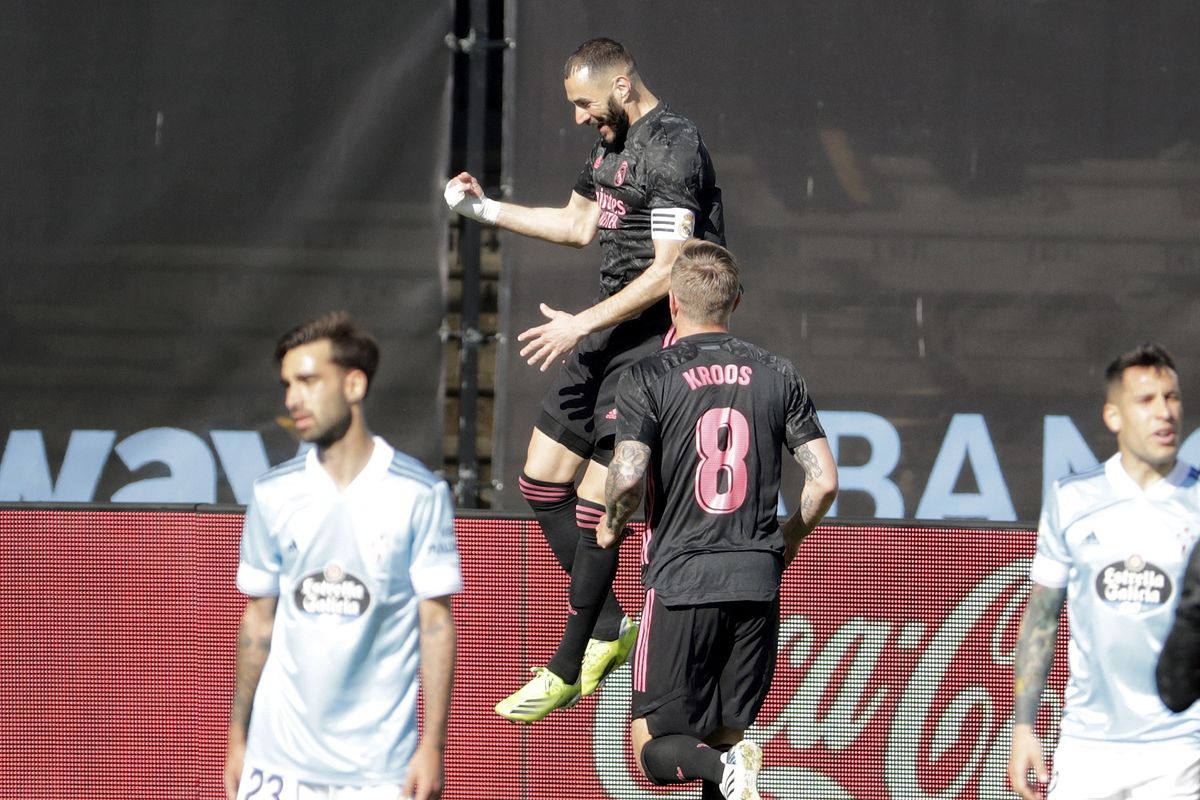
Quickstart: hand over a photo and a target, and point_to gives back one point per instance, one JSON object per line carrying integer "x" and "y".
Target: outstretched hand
{"x": 551, "y": 340}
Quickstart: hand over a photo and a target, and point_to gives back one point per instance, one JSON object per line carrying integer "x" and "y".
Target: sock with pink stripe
{"x": 591, "y": 596}
{"x": 553, "y": 505}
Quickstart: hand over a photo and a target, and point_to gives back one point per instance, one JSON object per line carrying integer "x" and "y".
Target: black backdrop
{"x": 942, "y": 208}
{"x": 951, "y": 216}
{"x": 182, "y": 182}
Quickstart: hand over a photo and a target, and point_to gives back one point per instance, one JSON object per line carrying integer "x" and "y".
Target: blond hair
{"x": 706, "y": 282}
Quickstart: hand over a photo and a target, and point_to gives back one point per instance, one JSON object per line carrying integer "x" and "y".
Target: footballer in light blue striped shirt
{"x": 349, "y": 559}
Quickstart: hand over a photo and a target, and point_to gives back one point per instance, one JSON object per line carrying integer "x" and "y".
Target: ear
{"x": 672, "y": 303}
{"x": 355, "y": 385}
{"x": 623, "y": 87}
{"x": 1112, "y": 417}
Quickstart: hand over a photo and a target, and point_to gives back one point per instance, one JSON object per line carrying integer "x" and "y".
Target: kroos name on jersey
{"x": 338, "y": 594}
{"x": 718, "y": 374}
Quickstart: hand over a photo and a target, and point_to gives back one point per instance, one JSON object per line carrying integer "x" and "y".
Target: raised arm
{"x": 574, "y": 224}
{"x": 1035, "y": 653}
{"x": 253, "y": 646}
{"x": 545, "y": 343}
{"x": 820, "y": 490}
{"x": 439, "y": 643}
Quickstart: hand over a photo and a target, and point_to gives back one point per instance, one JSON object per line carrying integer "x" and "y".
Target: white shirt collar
{"x": 375, "y": 468}
{"x": 1127, "y": 486}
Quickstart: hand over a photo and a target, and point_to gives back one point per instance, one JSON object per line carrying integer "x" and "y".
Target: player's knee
{"x": 546, "y": 495}
{"x": 724, "y": 738}
{"x": 655, "y": 762}
{"x": 639, "y": 737}
{"x": 638, "y": 747}
{"x": 550, "y": 460}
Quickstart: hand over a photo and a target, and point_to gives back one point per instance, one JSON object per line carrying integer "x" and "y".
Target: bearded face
{"x": 616, "y": 119}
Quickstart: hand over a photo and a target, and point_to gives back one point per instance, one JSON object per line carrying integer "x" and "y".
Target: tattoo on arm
{"x": 816, "y": 497}
{"x": 253, "y": 647}
{"x": 1035, "y": 650}
{"x": 439, "y": 646}
{"x": 806, "y": 458}
{"x": 625, "y": 486}
{"x": 806, "y": 504}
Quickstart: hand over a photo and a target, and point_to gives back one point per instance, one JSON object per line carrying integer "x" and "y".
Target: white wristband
{"x": 480, "y": 209}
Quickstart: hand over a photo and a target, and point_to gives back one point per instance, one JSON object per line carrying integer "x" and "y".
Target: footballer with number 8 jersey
{"x": 703, "y": 423}
{"x": 647, "y": 186}
{"x": 349, "y": 559}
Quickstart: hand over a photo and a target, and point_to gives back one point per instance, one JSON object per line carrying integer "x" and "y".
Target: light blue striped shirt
{"x": 337, "y": 700}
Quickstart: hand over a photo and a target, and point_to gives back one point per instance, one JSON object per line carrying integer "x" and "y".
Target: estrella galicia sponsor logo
{"x": 1134, "y": 584}
{"x": 332, "y": 592}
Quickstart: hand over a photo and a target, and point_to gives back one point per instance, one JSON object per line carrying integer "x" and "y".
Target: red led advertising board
{"x": 894, "y": 676}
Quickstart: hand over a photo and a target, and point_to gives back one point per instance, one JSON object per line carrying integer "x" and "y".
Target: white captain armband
{"x": 675, "y": 224}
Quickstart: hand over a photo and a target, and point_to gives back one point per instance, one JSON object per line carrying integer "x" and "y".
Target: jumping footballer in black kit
{"x": 703, "y": 422}
{"x": 647, "y": 186}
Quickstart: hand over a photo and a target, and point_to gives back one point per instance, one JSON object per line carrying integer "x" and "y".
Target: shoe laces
{"x": 542, "y": 674}
{"x": 592, "y": 658}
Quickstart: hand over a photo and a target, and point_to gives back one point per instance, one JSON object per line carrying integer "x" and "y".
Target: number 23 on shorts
{"x": 259, "y": 785}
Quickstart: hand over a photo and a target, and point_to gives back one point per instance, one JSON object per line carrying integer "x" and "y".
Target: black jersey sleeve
{"x": 637, "y": 419}
{"x": 1177, "y": 674}
{"x": 802, "y": 424}
{"x": 585, "y": 184}
{"x": 675, "y": 167}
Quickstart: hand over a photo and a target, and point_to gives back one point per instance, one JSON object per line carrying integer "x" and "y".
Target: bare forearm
{"x": 439, "y": 645}
{"x": 1035, "y": 650}
{"x": 639, "y": 294}
{"x": 253, "y": 647}
{"x": 553, "y": 225}
{"x": 816, "y": 498}
{"x": 813, "y": 507}
{"x": 625, "y": 486}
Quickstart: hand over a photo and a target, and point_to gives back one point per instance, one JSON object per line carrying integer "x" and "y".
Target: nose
{"x": 581, "y": 116}
{"x": 1162, "y": 407}
{"x": 291, "y": 398}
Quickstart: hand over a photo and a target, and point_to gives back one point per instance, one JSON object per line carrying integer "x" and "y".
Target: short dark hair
{"x": 599, "y": 55}
{"x": 1144, "y": 355}
{"x": 353, "y": 348}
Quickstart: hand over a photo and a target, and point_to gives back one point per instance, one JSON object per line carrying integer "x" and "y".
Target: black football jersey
{"x": 716, "y": 413}
{"x": 662, "y": 163}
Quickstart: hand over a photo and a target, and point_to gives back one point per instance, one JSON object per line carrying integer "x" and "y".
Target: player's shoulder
{"x": 283, "y": 472}
{"x": 405, "y": 468}
{"x": 773, "y": 361}
{"x": 1089, "y": 480}
{"x": 1083, "y": 494}
{"x": 670, "y": 127}
{"x": 669, "y": 358}
{"x": 281, "y": 485}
